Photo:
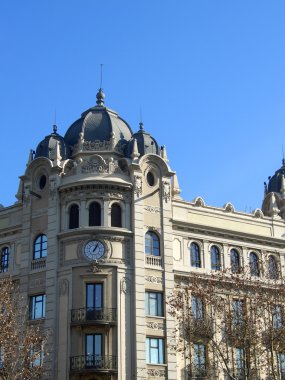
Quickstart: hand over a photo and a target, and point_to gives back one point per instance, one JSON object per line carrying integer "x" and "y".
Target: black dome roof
{"x": 48, "y": 143}
{"x": 99, "y": 124}
{"x": 146, "y": 143}
{"x": 274, "y": 184}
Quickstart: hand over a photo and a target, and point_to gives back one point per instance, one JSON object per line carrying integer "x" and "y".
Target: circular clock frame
{"x": 94, "y": 250}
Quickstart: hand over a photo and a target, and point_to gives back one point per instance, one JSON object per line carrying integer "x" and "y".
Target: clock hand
{"x": 95, "y": 247}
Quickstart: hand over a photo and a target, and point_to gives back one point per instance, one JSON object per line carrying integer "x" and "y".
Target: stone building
{"x": 98, "y": 235}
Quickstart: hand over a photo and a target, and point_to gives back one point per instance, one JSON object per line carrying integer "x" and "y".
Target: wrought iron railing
{"x": 199, "y": 372}
{"x": 104, "y": 315}
{"x": 93, "y": 362}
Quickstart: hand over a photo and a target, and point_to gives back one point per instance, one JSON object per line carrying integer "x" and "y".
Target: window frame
{"x": 157, "y": 299}
{"x": 116, "y": 219}
{"x": 238, "y": 312}
{"x": 277, "y": 317}
{"x": 73, "y": 219}
{"x": 197, "y": 308}
{"x": 199, "y": 358}
{"x": 195, "y": 255}
{"x": 94, "y": 216}
{"x": 152, "y": 244}
{"x": 254, "y": 265}
{"x": 216, "y": 263}
{"x": 153, "y": 350}
{"x": 34, "y": 305}
{"x": 5, "y": 255}
{"x": 42, "y": 247}
{"x": 235, "y": 261}
{"x": 272, "y": 270}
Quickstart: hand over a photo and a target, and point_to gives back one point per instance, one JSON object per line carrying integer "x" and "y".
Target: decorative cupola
{"x": 274, "y": 194}
{"x": 52, "y": 146}
{"x": 98, "y": 130}
{"x": 145, "y": 143}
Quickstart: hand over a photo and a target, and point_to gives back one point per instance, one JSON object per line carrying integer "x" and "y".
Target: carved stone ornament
{"x": 63, "y": 287}
{"x": 156, "y": 372}
{"x": 97, "y": 164}
{"x": 26, "y": 196}
{"x": 199, "y": 202}
{"x": 52, "y": 189}
{"x": 228, "y": 207}
{"x": 138, "y": 185}
{"x": 257, "y": 213}
{"x": 152, "y": 209}
{"x": 125, "y": 285}
{"x": 97, "y": 146}
{"x": 166, "y": 191}
{"x": 155, "y": 325}
{"x": 153, "y": 279}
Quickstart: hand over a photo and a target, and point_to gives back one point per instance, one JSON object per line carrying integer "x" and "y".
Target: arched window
{"x": 116, "y": 215}
{"x": 195, "y": 255}
{"x": 152, "y": 244}
{"x": 272, "y": 268}
{"x": 4, "y": 260}
{"x": 235, "y": 261}
{"x": 254, "y": 264}
{"x": 215, "y": 258}
{"x": 40, "y": 247}
{"x": 95, "y": 214}
{"x": 74, "y": 216}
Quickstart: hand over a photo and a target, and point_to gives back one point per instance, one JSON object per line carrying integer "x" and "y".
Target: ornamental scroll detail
{"x": 156, "y": 372}
{"x": 166, "y": 191}
{"x": 97, "y": 146}
{"x": 97, "y": 164}
{"x": 138, "y": 185}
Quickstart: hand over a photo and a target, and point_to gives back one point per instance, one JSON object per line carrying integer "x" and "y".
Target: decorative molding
{"x": 156, "y": 372}
{"x": 199, "y": 202}
{"x": 97, "y": 146}
{"x": 126, "y": 285}
{"x": 152, "y": 209}
{"x": 138, "y": 185}
{"x": 52, "y": 189}
{"x": 166, "y": 191}
{"x": 155, "y": 325}
{"x": 257, "y": 213}
{"x": 228, "y": 207}
{"x": 154, "y": 279}
{"x": 63, "y": 287}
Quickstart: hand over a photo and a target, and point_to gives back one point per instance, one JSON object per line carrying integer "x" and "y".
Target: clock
{"x": 94, "y": 250}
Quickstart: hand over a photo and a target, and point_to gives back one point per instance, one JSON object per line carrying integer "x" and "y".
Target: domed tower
{"x": 51, "y": 145}
{"x": 274, "y": 194}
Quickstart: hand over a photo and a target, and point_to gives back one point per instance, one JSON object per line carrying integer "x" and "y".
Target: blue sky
{"x": 209, "y": 76}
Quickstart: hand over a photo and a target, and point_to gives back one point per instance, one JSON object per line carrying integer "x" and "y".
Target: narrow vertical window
{"x": 277, "y": 322}
{"x": 195, "y": 255}
{"x": 238, "y": 312}
{"x": 155, "y": 351}
{"x": 235, "y": 261}
{"x": 40, "y": 247}
{"x": 215, "y": 258}
{"x": 154, "y": 304}
{"x": 239, "y": 363}
{"x": 254, "y": 264}
{"x": 152, "y": 244}
{"x": 74, "y": 216}
{"x": 197, "y": 307}
{"x": 272, "y": 268}
{"x": 93, "y": 351}
{"x": 94, "y": 301}
{"x": 37, "y": 306}
{"x": 95, "y": 214}
{"x": 281, "y": 362}
{"x": 199, "y": 360}
{"x": 116, "y": 215}
{"x": 4, "y": 260}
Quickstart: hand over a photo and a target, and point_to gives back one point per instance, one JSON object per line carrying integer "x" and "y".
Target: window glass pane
{"x": 215, "y": 258}
{"x": 116, "y": 215}
{"x": 254, "y": 264}
{"x": 147, "y": 350}
{"x": 95, "y": 214}
{"x": 98, "y": 344}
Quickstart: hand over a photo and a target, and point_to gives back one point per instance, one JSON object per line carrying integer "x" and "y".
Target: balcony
{"x": 91, "y": 316}
{"x": 38, "y": 264}
{"x": 153, "y": 261}
{"x": 93, "y": 363}
{"x": 201, "y": 328}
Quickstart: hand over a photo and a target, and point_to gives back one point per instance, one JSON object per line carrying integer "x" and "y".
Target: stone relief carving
{"x": 52, "y": 189}
{"x": 63, "y": 287}
{"x": 138, "y": 185}
{"x": 125, "y": 285}
{"x": 153, "y": 279}
{"x": 258, "y": 213}
{"x": 229, "y": 207}
{"x": 152, "y": 209}
{"x": 155, "y": 325}
{"x": 69, "y": 168}
{"x": 97, "y": 145}
{"x": 95, "y": 164}
{"x": 166, "y": 191}
{"x": 156, "y": 372}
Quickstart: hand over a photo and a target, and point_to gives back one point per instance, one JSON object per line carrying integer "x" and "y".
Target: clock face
{"x": 94, "y": 250}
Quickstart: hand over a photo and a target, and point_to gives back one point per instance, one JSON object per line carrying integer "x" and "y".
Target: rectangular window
{"x": 277, "y": 317}
{"x": 238, "y": 312}
{"x": 197, "y": 307}
{"x": 94, "y": 301}
{"x": 1, "y": 357}
{"x": 37, "y": 306}
{"x": 239, "y": 362}
{"x": 94, "y": 350}
{"x": 281, "y": 362}
{"x": 4, "y": 263}
{"x": 37, "y": 356}
{"x": 199, "y": 360}
{"x": 154, "y": 304}
{"x": 155, "y": 351}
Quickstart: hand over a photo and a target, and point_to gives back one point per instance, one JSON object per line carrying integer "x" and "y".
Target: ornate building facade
{"x": 99, "y": 236}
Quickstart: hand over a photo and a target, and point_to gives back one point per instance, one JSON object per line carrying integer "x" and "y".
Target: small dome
{"x": 274, "y": 184}
{"x": 99, "y": 124}
{"x": 146, "y": 143}
{"x": 45, "y": 147}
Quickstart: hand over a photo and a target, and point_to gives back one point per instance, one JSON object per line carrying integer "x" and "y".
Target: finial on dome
{"x": 141, "y": 126}
{"x": 100, "y": 97}
{"x": 54, "y": 128}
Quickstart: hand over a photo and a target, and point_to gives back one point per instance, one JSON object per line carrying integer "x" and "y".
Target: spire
{"x": 100, "y": 97}
{"x": 135, "y": 152}
{"x": 175, "y": 187}
{"x": 282, "y": 189}
{"x": 163, "y": 153}
{"x": 31, "y": 156}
